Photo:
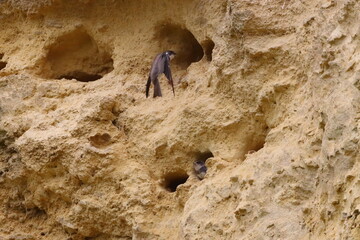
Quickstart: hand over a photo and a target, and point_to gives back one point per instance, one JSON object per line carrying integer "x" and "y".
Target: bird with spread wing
{"x": 160, "y": 65}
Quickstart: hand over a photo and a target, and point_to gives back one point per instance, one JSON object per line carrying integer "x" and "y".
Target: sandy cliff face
{"x": 267, "y": 93}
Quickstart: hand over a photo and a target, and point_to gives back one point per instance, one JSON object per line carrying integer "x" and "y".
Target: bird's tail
{"x": 148, "y": 86}
{"x": 172, "y": 85}
{"x": 157, "y": 89}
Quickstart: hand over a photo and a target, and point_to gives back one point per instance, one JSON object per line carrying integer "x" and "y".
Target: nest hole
{"x": 182, "y": 42}
{"x": 173, "y": 179}
{"x": 259, "y": 145}
{"x": 2, "y": 63}
{"x": 81, "y": 76}
{"x": 35, "y": 212}
{"x": 208, "y": 46}
{"x": 76, "y": 55}
{"x": 203, "y": 156}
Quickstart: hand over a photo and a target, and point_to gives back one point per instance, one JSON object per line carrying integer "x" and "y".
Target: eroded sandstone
{"x": 267, "y": 93}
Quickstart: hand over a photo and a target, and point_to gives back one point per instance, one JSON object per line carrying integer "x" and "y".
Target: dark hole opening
{"x": 76, "y": 55}
{"x": 182, "y": 41}
{"x": 35, "y": 212}
{"x": 259, "y": 146}
{"x": 2, "y": 65}
{"x": 203, "y": 156}
{"x": 81, "y": 76}
{"x": 173, "y": 179}
{"x": 208, "y": 46}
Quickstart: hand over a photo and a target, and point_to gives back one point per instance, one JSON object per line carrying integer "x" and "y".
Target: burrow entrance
{"x": 182, "y": 41}
{"x": 2, "y": 63}
{"x": 76, "y": 55}
{"x": 203, "y": 156}
{"x": 208, "y": 46}
{"x": 173, "y": 179}
{"x": 199, "y": 164}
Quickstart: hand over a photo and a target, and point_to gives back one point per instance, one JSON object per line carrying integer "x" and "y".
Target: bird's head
{"x": 199, "y": 163}
{"x": 171, "y": 54}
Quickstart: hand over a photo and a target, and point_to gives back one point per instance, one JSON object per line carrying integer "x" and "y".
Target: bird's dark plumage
{"x": 160, "y": 65}
{"x": 200, "y": 169}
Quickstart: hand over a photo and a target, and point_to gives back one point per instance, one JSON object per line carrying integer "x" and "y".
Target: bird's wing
{"x": 148, "y": 86}
{"x": 167, "y": 72}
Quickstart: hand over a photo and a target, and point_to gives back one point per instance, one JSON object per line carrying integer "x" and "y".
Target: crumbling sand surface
{"x": 267, "y": 93}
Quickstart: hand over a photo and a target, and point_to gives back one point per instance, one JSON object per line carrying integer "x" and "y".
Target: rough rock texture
{"x": 267, "y": 93}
